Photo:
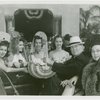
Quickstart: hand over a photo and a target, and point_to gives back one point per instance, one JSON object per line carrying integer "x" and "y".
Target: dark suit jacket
{"x": 71, "y": 68}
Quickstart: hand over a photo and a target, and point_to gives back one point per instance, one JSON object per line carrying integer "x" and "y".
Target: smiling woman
{"x": 3, "y": 53}
{"x": 3, "y": 49}
{"x": 60, "y": 56}
{"x": 38, "y": 57}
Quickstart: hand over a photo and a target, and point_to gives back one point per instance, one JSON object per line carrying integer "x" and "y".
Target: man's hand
{"x": 74, "y": 80}
{"x": 66, "y": 82}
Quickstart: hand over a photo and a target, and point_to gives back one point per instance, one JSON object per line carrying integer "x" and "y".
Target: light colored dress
{"x": 38, "y": 59}
{"x": 59, "y": 56}
{"x": 39, "y": 68}
{"x": 18, "y": 58}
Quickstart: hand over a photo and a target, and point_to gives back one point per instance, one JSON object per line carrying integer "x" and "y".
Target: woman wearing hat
{"x": 91, "y": 73}
{"x": 74, "y": 66}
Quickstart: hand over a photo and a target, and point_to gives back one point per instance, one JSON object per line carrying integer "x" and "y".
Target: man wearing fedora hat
{"x": 73, "y": 67}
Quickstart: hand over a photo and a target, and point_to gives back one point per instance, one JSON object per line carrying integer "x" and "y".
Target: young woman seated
{"x": 4, "y": 45}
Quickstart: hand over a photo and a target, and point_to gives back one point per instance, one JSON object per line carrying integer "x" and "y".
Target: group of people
{"x": 74, "y": 72}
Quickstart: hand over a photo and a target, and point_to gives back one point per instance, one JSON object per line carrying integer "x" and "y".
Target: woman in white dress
{"x": 58, "y": 55}
{"x": 19, "y": 58}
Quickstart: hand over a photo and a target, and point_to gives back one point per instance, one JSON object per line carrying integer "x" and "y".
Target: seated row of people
{"x": 80, "y": 74}
{"x": 17, "y": 62}
{"x": 71, "y": 76}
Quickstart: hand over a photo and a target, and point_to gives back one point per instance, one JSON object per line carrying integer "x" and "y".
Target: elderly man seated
{"x": 70, "y": 71}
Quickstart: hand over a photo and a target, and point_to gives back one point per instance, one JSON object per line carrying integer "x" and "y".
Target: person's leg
{"x": 68, "y": 91}
{"x": 39, "y": 86}
{"x": 51, "y": 86}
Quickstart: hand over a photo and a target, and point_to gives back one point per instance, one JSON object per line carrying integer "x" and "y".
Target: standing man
{"x": 71, "y": 69}
{"x": 66, "y": 43}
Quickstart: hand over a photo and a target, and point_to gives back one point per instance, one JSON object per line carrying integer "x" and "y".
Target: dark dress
{"x": 54, "y": 82}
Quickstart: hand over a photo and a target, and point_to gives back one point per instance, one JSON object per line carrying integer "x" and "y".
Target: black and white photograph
{"x": 49, "y": 49}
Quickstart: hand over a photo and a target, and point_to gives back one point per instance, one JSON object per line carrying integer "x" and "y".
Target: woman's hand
{"x": 17, "y": 64}
{"x": 25, "y": 70}
{"x": 9, "y": 64}
{"x": 25, "y": 63}
{"x": 49, "y": 62}
{"x": 45, "y": 67}
{"x": 68, "y": 58}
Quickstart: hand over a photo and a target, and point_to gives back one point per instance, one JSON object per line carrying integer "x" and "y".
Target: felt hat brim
{"x": 70, "y": 45}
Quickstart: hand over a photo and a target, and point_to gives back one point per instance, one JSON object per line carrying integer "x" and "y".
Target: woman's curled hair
{"x": 38, "y": 37}
{"x": 5, "y": 43}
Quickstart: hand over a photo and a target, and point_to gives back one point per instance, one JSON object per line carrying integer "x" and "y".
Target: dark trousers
{"x": 50, "y": 86}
